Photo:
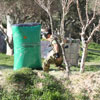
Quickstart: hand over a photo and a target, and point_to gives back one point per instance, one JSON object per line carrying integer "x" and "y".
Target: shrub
{"x": 52, "y": 96}
{"x": 25, "y": 75}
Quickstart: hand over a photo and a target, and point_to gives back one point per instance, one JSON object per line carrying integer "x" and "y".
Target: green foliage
{"x": 10, "y": 96}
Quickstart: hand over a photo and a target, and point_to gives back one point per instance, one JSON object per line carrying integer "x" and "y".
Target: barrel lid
{"x": 26, "y": 24}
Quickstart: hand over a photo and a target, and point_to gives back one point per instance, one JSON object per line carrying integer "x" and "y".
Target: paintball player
{"x": 55, "y": 55}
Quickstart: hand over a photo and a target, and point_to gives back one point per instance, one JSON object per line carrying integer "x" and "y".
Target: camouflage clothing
{"x": 51, "y": 59}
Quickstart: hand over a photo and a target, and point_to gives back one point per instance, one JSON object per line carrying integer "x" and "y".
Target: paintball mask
{"x": 45, "y": 34}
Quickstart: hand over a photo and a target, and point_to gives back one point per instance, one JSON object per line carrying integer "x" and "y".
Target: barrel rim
{"x": 26, "y": 24}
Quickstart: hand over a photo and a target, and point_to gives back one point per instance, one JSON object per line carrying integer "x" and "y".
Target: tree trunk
{"x": 84, "y": 54}
{"x": 65, "y": 60}
{"x": 62, "y": 46}
{"x": 9, "y": 50}
{"x": 51, "y": 23}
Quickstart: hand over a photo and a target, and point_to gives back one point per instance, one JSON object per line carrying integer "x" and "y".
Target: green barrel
{"x": 26, "y": 38}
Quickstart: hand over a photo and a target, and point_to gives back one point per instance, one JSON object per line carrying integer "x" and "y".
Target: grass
{"x": 94, "y": 46}
{"x": 29, "y": 85}
{"x": 88, "y": 68}
{"x": 6, "y": 60}
{"x": 91, "y": 57}
{"x": 26, "y": 84}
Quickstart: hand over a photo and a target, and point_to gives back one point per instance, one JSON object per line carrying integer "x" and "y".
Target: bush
{"x": 25, "y": 75}
{"x": 51, "y": 84}
{"x": 52, "y": 96}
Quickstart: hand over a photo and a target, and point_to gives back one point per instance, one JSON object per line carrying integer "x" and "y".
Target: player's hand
{"x": 56, "y": 55}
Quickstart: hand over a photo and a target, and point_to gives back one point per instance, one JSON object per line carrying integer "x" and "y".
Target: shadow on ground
{"x": 87, "y": 68}
{"x": 92, "y": 68}
{"x": 3, "y": 66}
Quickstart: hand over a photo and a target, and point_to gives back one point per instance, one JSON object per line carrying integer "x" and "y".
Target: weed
{"x": 82, "y": 96}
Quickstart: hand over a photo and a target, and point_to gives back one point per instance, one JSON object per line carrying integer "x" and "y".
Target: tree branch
{"x": 6, "y": 37}
{"x": 46, "y": 8}
{"x": 42, "y": 4}
{"x": 87, "y": 16}
{"x": 68, "y": 6}
{"x": 97, "y": 28}
{"x": 79, "y": 13}
{"x": 93, "y": 17}
{"x": 3, "y": 31}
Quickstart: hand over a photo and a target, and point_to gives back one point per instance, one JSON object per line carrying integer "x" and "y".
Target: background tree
{"x": 14, "y": 12}
{"x": 85, "y": 25}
